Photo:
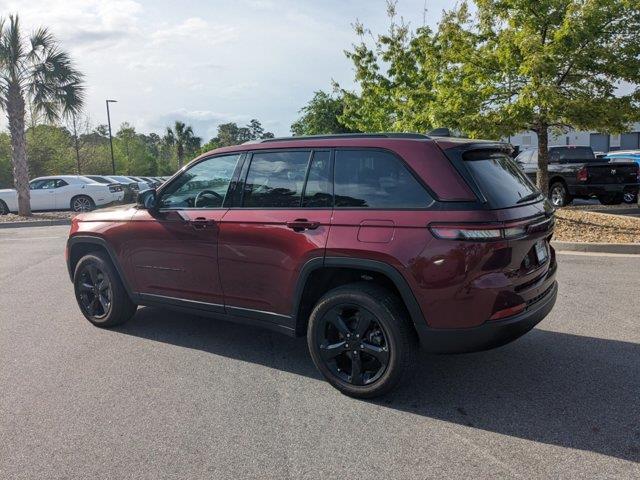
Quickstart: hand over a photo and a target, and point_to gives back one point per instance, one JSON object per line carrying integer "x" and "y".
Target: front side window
{"x": 43, "y": 184}
{"x": 275, "y": 179}
{"x": 204, "y": 185}
{"x": 376, "y": 179}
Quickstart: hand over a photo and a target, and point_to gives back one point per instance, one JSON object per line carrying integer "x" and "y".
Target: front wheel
{"x": 100, "y": 293}
{"x": 630, "y": 197}
{"x": 4, "y": 210}
{"x": 361, "y": 340}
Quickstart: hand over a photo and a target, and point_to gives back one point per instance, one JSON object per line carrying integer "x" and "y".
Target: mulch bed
{"x": 37, "y": 217}
{"x": 574, "y": 224}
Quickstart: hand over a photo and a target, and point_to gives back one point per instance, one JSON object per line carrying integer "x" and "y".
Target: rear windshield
{"x": 571, "y": 153}
{"x": 500, "y": 180}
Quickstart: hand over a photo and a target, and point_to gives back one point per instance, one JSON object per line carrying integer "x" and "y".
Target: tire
{"x": 4, "y": 210}
{"x": 612, "y": 199}
{"x": 113, "y": 306}
{"x": 389, "y": 336}
{"x": 558, "y": 194}
{"x": 629, "y": 197}
{"x": 82, "y": 203}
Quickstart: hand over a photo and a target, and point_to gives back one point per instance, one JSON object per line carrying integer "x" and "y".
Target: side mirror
{"x": 147, "y": 199}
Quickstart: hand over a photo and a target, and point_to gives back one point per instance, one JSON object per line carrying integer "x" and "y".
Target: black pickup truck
{"x": 575, "y": 172}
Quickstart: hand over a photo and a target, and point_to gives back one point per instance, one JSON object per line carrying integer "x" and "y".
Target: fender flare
{"x": 407, "y": 296}
{"x": 101, "y": 242}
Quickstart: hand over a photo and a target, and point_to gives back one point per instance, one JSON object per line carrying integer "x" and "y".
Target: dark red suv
{"x": 369, "y": 244}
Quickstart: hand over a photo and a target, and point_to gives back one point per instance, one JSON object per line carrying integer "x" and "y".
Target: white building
{"x": 600, "y": 142}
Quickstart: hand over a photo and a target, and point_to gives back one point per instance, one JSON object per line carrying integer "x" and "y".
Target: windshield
{"x": 500, "y": 180}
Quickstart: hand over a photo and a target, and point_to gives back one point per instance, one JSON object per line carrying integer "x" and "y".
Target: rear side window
{"x": 568, "y": 154}
{"x": 275, "y": 179}
{"x": 376, "y": 179}
{"x": 499, "y": 179}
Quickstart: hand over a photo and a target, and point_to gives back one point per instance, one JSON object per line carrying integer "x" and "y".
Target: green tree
{"x": 183, "y": 139}
{"x": 321, "y": 116}
{"x": 231, "y": 134}
{"x": 38, "y": 71}
{"x": 50, "y": 150}
{"x": 6, "y": 176}
{"x": 514, "y": 65}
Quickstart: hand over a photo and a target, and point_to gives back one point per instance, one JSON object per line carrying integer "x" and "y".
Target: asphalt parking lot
{"x": 176, "y": 396}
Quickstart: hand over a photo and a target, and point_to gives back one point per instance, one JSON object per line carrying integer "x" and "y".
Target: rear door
{"x": 279, "y": 221}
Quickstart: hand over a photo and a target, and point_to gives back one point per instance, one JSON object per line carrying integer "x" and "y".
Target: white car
{"x": 63, "y": 192}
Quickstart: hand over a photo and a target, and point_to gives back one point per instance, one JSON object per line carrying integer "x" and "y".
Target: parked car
{"x": 129, "y": 192}
{"x": 367, "y": 244}
{"x": 625, "y": 156}
{"x": 151, "y": 181}
{"x": 63, "y": 192}
{"x": 144, "y": 185}
{"x": 136, "y": 185}
{"x": 574, "y": 172}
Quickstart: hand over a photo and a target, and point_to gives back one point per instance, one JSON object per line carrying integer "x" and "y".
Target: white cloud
{"x": 194, "y": 29}
{"x": 212, "y": 62}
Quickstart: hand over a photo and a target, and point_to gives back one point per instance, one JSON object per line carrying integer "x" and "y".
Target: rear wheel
{"x": 101, "y": 296}
{"x": 559, "y": 195}
{"x": 4, "y": 210}
{"x": 360, "y": 340}
{"x": 611, "y": 199}
{"x": 82, "y": 203}
{"x": 630, "y": 197}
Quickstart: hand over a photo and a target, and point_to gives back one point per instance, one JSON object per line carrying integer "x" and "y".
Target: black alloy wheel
{"x": 100, "y": 293}
{"x": 95, "y": 292}
{"x": 362, "y": 340}
{"x": 353, "y": 344}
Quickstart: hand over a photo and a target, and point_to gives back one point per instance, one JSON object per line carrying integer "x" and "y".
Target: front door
{"x": 174, "y": 249}
{"x": 279, "y": 222}
{"x": 43, "y": 194}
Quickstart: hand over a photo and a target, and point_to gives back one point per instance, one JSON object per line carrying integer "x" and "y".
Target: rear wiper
{"x": 531, "y": 196}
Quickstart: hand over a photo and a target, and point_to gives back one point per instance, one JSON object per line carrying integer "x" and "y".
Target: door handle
{"x": 200, "y": 223}
{"x": 300, "y": 224}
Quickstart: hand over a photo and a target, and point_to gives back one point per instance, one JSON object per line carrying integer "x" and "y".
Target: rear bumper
{"x": 602, "y": 189}
{"x": 490, "y": 334}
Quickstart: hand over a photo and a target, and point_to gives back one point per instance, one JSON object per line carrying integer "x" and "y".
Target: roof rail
{"x": 416, "y": 136}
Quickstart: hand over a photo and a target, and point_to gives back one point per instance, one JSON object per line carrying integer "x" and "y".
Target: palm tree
{"x": 36, "y": 71}
{"x": 182, "y": 137}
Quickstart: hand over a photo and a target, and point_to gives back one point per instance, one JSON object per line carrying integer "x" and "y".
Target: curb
{"x": 622, "y": 248}
{"x": 36, "y": 223}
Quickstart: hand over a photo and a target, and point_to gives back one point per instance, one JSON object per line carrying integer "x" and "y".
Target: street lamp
{"x": 113, "y": 162}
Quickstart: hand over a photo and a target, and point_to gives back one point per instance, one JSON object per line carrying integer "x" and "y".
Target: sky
{"x": 209, "y": 62}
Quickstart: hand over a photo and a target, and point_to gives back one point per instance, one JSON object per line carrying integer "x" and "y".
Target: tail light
{"x": 134, "y": 186}
{"x": 115, "y": 188}
{"x": 477, "y": 232}
{"x": 582, "y": 175}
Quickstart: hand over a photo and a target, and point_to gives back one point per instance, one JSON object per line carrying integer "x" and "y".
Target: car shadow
{"x": 555, "y": 388}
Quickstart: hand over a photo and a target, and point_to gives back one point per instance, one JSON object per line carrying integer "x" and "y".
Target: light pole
{"x": 113, "y": 162}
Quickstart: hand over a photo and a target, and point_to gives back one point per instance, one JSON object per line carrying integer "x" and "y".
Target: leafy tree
{"x": 321, "y": 116}
{"x": 184, "y": 140}
{"x": 231, "y": 134}
{"x": 39, "y": 72}
{"x": 49, "y": 149}
{"x": 515, "y": 65}
{"x": 6, "y": 176}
